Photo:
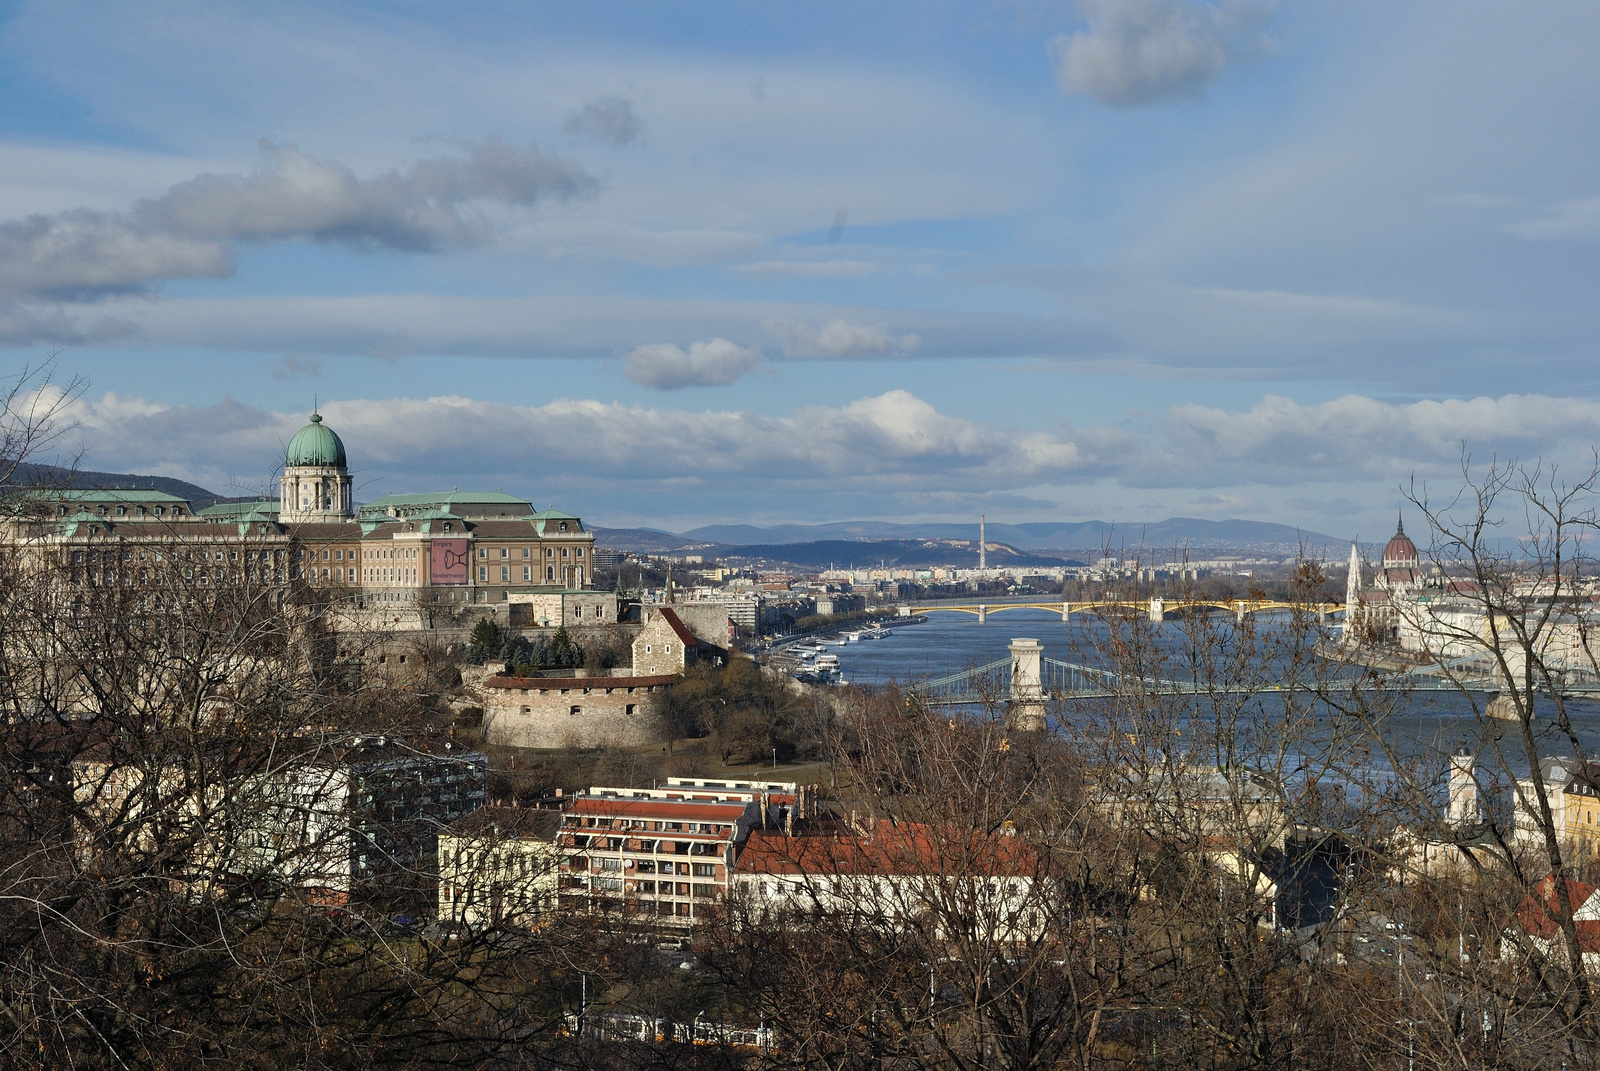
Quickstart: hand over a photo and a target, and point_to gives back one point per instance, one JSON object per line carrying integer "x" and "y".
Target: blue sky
{"x": 670, "y": 264}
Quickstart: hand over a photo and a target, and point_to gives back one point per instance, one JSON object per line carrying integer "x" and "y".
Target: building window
{"x": 575, "y": 710}
{"x": 527, "y": 552}
{"x": 549, "y": 552}
{"x": 527, "y": 572}
{"x": 580, "y": 552}
{"x": 505, "y": 552}
{"x": 563, "y": 552}
{"x": 549, "y": 572}
{"x": 505, "y": 574}
{"x": 630, "y": 710}
{"x": 483, "y": 574}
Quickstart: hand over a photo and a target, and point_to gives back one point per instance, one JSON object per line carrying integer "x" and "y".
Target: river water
{"x": 1430, "y": 725}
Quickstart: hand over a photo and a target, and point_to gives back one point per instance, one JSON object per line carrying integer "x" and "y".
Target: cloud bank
{"x": 887, "y": 452}
{"x": 193, "y": 230}
{"x": 1137, "y": 52}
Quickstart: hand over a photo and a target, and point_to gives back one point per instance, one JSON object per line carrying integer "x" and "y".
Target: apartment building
{"x": 667, "y": 852}
{"x": 497, "y": 866}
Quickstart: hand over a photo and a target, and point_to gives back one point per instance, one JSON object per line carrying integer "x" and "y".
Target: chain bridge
{"x": 1027, "y": 680}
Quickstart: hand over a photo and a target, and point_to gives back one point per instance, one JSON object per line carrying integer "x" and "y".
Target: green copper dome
{"x": 315, "y": 444}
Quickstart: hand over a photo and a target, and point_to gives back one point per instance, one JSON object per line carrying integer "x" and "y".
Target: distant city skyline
{"x": 677, "y": 266}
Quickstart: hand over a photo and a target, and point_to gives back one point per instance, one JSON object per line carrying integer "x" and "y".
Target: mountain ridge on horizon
{"x": 1176, "y": 533}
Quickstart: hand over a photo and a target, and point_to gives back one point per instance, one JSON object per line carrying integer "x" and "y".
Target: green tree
{"x": 485, "y": 642}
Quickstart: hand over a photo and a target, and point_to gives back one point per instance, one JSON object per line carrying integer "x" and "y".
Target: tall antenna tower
{"x": 983, "y": 545}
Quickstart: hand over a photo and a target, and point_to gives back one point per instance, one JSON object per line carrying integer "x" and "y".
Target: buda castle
{"x": 406, "y": 554}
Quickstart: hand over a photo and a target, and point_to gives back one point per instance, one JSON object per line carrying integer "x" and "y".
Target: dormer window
{"x": 61, "y": 511}
{"x": 160, "y": 510}
{"x": 563, "y": 526}
{"x": 447, "y": 526}
{"x": 122, "y": 511}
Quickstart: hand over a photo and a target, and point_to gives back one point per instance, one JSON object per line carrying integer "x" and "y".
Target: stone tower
{"x": 1352, "y": 598}
{"x": 315, "y": 485}
{"x": 1463, "y": 807}
{"x": 1027, "y": 686}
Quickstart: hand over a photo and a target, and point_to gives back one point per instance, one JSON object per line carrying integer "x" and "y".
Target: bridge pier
{"x": 983, "y": 613}
{"x": 1066, "y": 612}
{"x": 1238, "y": 612}
{"x": 1157, "y": 611}
{"x": 905, "y": 611}
{"x": 1026, "y": 713}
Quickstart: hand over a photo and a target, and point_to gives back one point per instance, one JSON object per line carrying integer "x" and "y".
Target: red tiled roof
{"x": 550, "y": 683}
{"x": 894, "y": 848}
{"x": 1540, "y": 912}
{"x": 684, "y": 634}
{"x": 655, "y": 809}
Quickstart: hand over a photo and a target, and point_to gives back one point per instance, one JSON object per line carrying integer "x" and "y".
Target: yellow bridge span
{"x": 1156, "y": 609}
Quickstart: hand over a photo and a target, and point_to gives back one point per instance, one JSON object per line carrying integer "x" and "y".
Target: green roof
{"x": 117, "y": 494}
{"x": 223, "y": 511}
{"x": 315, "y": 444}
{"x": 447, "y": 498}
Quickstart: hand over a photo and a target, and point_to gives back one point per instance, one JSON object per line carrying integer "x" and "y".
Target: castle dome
{"x": 1400, "y": 550}
{"x": 315, "y": 444}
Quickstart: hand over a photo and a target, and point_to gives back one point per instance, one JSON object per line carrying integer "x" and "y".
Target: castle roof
{"x": 315, "y": 444}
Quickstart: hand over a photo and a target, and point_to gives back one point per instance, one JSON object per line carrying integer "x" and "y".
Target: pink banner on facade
{"x": 448, "y": 561}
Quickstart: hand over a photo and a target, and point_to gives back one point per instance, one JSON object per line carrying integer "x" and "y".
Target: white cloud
{"x": 191, "y": 231}
{"x": 606, "y": 119}
{"x": 1145, "y": 51}
{"x": 809, "y": 269}
{"x": 839, "y": 339}
{"x": 665, "y": 366}
{"x": 1282, "y": 442}
{"x": 1574, "y": 219}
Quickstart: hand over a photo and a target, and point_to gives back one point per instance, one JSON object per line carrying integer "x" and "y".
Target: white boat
{"x": 852, "y": 637}
{"x": 829, "y": 662}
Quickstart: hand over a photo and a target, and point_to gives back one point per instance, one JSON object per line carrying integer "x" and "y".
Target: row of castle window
{"x": 122, "y": 511}
{"x": 527, "y": 552}
{"x": 338, "y": 555}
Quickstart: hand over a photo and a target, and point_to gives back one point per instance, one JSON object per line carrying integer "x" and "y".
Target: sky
{"x": 670, "y": 264}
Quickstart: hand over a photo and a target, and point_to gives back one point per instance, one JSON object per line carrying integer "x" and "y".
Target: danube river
{"x": 949, "y": 642}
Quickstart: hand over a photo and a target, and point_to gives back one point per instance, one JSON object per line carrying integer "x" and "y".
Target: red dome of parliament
{"x": 1400, "y": 548}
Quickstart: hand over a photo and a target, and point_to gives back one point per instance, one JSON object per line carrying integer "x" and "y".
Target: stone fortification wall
{"x": 551, "y": 712}
{"x": 708, "y": 621}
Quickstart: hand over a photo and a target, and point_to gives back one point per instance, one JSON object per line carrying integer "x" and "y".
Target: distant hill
{"x": 822, "y": 553}
{"x": 642, "y": 540}
{"x": 51, "y": 476}
{"x": 1176, "y": 533}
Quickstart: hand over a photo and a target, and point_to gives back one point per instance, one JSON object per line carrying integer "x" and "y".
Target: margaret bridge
{"x": 1156, "y": 609}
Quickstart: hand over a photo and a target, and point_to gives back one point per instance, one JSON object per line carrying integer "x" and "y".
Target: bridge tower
{"x": 1027, "y": 685}
{"x": 1158, "y": 611}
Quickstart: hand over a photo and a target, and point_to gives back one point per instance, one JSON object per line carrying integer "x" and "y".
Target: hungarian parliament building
{"x": 448, "y": 550}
